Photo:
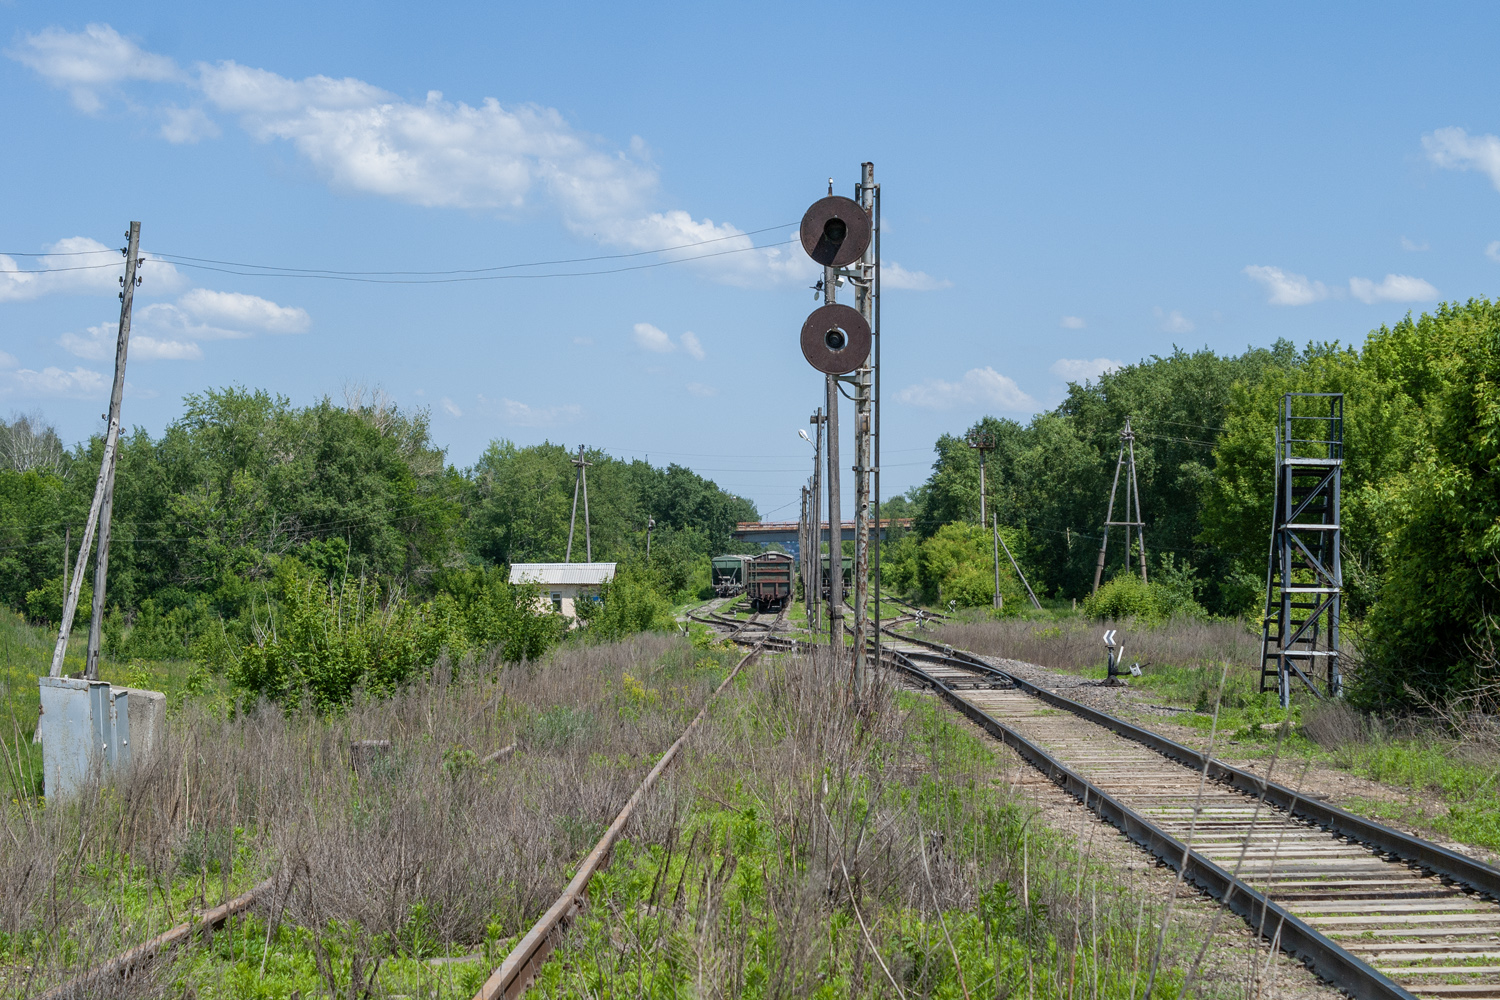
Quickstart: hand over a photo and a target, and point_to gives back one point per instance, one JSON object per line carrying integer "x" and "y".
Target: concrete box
{"x": 88, "y": 725}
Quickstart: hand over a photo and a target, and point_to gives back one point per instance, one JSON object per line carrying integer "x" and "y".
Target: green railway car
{"x": 729, "y": 575}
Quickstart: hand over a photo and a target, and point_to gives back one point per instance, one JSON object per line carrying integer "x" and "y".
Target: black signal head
{"x": 835, "y": 231}
{"x": 835, "y": 339}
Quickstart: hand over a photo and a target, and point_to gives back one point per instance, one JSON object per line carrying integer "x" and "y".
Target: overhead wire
{"x": 173, "y": 258}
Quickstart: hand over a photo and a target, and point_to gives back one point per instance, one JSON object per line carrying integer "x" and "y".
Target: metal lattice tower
{"x": 1132, "y": 491}
{"x": 1304, "y": 574}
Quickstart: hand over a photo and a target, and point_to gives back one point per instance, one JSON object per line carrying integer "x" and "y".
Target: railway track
{"x": 1377, "y": 912}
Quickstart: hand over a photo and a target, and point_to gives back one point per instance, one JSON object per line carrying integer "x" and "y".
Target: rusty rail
{"x": 143, "y": 954}
{"x": 519, "y": 969}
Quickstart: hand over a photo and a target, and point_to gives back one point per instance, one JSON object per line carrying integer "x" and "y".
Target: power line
{"x": 478, "y": 277}
{"x": 324, "y": 271}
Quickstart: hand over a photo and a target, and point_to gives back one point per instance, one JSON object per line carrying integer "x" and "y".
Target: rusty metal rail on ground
{"x": 1379, "y": 913}
{"x": 519, "y": 969}
{"x": 142, "y": 955}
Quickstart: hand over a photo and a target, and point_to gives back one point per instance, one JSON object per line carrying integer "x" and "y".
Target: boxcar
{"x": 768, "y": 581}
{"x": 729, "y": 575}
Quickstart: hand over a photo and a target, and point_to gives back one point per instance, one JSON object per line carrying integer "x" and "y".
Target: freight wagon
{"x": 848, "y": 577}
{"x": 768, "y": 581}
{"x": 729, "y": 575}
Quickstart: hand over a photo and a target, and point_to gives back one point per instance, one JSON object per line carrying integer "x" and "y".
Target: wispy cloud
{"x": 978, "y": 386}
{"x": 90, "y": 62}
{"x": 1285, "y": 288}
{"x": 1455, "y": 149}
{"x": 699, "y": 389}
{"x": 79, "y": 265}
{"x": 80, "y": 383}
{"x": 1083, "y": 369}
{"x": 171, "y": 331}
{"x": 98, "y": 344}
{"x": 450, "y": 407}
{"x": 433, "y": 152}
{"x": 1174, "y": 321}
{"x": 654, "y": 339}
{"x": 525, "y": 415}
{"x": 1072, "y": 323}
{"x": 1415, "y": 246}
{"x": 1395, "y": 288}
{"x": 893, "y": 275}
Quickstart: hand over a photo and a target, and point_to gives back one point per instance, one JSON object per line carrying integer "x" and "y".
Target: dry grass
{"x": 426, "y": 853}
{"x": 1075, "y": 644}
{"x": 803, "y": 848}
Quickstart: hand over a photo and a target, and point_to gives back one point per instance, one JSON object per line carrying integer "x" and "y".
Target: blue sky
{"x": 1065, "y": 187}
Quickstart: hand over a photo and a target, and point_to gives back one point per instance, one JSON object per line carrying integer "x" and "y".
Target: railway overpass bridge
{"x": 784, "y": 533}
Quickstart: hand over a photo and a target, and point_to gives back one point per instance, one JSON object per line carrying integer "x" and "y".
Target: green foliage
{"x": 44, "y": 605}
{"x": 629, "y": 603}
{"x": 327, "y": 642}
{"x": 1128, "y": 596}
{"x": 957, "y": 564}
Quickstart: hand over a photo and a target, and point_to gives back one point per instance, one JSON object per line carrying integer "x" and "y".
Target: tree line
{"x": 1421, "y": 490}
{"x": 249, "y": 513}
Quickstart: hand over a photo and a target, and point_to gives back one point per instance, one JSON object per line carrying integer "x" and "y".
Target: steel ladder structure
{"x": 1304, "y": 574}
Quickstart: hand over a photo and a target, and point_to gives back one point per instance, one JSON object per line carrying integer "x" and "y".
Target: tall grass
{"x": 807, "y": 848}
{"x": 425, "y": 853}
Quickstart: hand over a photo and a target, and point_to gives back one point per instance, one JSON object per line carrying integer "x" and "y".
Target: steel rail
{"x": 519, "y": 969}
{"x": 1273, "y": 921}
{"x": 1437, "y": 859}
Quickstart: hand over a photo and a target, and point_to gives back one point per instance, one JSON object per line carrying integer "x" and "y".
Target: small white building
{"x": 562, "y": 584}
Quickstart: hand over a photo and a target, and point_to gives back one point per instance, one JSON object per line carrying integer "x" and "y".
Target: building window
{"x": 557, "y": 602}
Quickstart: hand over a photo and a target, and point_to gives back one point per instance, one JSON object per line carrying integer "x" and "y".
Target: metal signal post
{"x": 838, "y": 233}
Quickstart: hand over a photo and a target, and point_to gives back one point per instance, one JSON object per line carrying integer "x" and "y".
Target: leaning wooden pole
{"x": 105, "y": 487}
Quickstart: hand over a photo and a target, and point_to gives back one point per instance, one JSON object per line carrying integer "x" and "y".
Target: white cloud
{"x": 1415, "y": 245}
{"x": 979, "y": 386}
{"x": 584, "y": 341}
{"x": 78, "y": 265}
{"x": 650, "y": 338}
{"x": 1083, "y": 369}
{"x": 1454, "y": 149}
{"x": 187, "y": 125}
{"x": 1285, "y": 288}
{"x": 1395, "y": 288}
{"x": 80, "y": 383}
{"x": 1493, "y": 251}
{"x": 440, "y": 153}
{"x": 893, "y": 275}
{"x": 699, "y": 389}
{"x": 539, "y": 416}
{"x": 1174, "y": 321}
{"x": 91, "y": 60}
{"x": 657, "y": 341}
{"x": 170, "y": 331}
{"x": 1072, "y": 323}
{"x": 450, "y": 407}
{"x": 8, "y": 360}
{"x": 241, "y": 311}
{"x": 98, "y": 344}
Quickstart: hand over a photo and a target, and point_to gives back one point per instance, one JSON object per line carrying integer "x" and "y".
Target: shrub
{"x": 1127, "y": 596}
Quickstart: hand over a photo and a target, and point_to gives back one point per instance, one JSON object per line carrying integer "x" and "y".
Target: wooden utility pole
{"x": 107, "y": 478}
{"x": 104, "y": 489}
{"x": 581, "y": 479}
{"x": 983, "y": 442}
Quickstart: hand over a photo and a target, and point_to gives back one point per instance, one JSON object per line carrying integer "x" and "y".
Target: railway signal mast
{"x": 843, "y": 235}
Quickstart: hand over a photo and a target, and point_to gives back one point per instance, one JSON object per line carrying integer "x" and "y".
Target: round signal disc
{"x": 835, "y": 339}
{"x": 835, "y": 231}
